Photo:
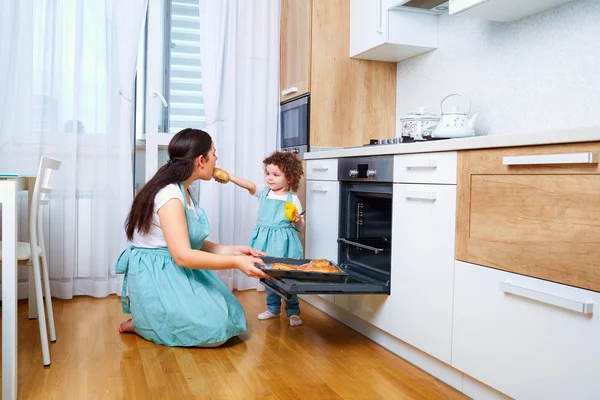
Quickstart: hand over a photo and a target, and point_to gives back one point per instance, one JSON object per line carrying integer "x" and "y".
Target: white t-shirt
{"x": 155, "y": 237}
{"x": 261, "y": 186}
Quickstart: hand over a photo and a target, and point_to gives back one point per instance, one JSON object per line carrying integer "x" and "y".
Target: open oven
{"x": 365, "y": 233}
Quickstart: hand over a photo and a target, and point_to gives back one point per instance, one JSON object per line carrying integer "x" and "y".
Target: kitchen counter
{"x": 587, "y": 134}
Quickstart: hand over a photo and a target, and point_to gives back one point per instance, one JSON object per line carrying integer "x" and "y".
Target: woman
{"x": 173, "y": 297}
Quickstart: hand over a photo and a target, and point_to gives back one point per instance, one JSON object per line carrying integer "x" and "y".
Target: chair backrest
{"x": 41, "y": 191}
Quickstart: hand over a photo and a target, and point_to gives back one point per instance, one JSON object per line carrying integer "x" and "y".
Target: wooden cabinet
{"x": 382, "y": 33}
{"x": 533, "y": 211}
{"x": 528, "y": 338}
{"x": 352, "y": 101}
{"x": 295, "y": 48}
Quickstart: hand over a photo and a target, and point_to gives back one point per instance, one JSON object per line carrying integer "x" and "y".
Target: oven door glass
{"x": 295, "y": 122}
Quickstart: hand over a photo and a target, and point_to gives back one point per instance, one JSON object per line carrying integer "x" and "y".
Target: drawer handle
{"x": 421, "y": 163}
{"x": 571, "y": 158}
{"x": 321, "y": 189}
{"x": 320, "y": 168}
{"x": 290, "y": 90}
{"x": 416, "y": 194}
{"x": 569, "y": 304}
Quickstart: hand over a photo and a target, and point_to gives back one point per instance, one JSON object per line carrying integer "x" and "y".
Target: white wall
{"x": 537, "y": 74}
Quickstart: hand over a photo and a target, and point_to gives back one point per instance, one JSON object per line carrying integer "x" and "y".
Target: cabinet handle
{"x": 562, "y": 302}
{"x": 380, "y": 18}
{"x": 571, "y": 158}
{"x": 287, "y": 91}
{"x": 417, "y": 194}
{"x": 320, "y": 189}
{"x": 421, "y": 163}
{"x": 320, "y": 168}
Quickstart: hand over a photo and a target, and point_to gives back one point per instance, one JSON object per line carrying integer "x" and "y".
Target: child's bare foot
{"x": 127, "y": 327}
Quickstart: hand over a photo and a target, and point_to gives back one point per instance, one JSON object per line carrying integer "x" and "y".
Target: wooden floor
{"x": 323, "y": 359}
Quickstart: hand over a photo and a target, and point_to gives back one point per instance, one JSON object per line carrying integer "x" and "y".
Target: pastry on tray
{"x": 319, "y": 267}
{"x": 320, "y": 263}
{"x": 283, "y": 267}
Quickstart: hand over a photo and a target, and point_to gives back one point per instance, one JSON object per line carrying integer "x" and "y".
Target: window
{"x": 180, "y": 73}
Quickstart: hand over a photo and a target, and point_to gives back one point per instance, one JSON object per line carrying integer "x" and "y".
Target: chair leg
{"x": 49, "y": 310}
{"x": 31, "y": 303}
{"x": 40, "y": 310}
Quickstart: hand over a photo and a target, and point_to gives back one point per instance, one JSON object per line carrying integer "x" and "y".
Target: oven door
{"x": 358, "y": 281}
{"x": 295, "y": 117}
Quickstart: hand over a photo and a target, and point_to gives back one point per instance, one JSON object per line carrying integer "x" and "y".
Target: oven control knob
{"x": 353, "y": 173}
{"x": 371, "y": 173}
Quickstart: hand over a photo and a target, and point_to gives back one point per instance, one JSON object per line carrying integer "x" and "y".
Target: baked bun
{"x": 329, "y": 269}
{"x": 284, "y": 267}
{"x": 320, "y": 263}
{"x": 221, "y": 175}
{"x": 305, "y": 267}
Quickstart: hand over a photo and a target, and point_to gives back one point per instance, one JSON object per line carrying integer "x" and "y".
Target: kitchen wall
{"x": 537, "y": 74}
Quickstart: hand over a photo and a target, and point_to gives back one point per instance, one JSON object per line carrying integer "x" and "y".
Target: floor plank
{"x": 323, "y": 359}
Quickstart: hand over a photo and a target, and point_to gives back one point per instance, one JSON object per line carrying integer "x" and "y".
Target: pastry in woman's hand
{"x": 220, "y": 175}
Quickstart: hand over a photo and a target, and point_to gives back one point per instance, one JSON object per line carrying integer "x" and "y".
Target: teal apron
{"x": 274, "y": 233}
{"x": 178, "y": 306}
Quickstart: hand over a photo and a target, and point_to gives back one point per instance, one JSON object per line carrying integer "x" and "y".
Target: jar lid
{"x": 420, "y": 115}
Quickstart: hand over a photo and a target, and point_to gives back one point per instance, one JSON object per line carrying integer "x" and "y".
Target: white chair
{"x": 37, "y": 248}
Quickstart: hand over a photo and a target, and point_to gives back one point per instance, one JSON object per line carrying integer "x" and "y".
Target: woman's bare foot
{"x": 127, "y": 327}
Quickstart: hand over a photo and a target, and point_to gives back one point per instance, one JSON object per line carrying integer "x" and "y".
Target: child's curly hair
{"x": 289, "y": 164}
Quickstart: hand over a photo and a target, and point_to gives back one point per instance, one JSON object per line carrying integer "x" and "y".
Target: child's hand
{"x": 299, "y": 218}
{"x": 220, "y": 180}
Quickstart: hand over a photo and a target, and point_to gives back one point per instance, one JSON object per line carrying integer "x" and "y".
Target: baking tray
{"x": 300, "y": 275}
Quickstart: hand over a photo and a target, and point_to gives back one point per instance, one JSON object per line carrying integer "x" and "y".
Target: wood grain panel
{"x": 295, "y": 46}
{"x": 541, "y": 221}
{"x": 352, "y": 100}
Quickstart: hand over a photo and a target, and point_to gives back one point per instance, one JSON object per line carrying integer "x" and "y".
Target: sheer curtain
{"x": 240, "y": 75}
{"x": 66, "y": 83}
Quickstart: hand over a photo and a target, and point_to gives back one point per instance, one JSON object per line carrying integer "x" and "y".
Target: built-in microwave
{"x": 295, "y": 125}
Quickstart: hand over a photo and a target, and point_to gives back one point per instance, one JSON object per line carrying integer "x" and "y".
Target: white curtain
{"x": 240, "y": 75}
{"x": 66, "y": 84}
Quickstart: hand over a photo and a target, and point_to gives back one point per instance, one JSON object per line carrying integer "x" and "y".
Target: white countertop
{"x": 587, "y": 134}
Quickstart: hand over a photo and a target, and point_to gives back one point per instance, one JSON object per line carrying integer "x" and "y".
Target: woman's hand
{"x": 245, "y": 251}
{"x": 246, "y": 264}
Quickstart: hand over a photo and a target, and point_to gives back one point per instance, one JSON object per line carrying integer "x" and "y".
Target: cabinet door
{"x": 322, "y": 210}
{"x": 295, "y": 48}
{"x": 373, "y": 308}
{"x": 532, "y": 211}
{"x": 367, "y": 25}
{"x": 423, "y": 266}
{"x": 528, "y": 338}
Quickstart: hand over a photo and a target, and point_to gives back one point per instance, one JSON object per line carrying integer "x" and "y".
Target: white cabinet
{"x": 373, "y": 308}
{"x": 322, "y": 221}
{"x": 528, "y": 338}
{"x": 501, "y": 10}
{"x": 383, "y": 34}
{"x": 423, "y": 266}
{"x": 426, "y": 168}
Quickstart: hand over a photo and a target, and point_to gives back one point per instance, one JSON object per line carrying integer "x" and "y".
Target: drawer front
{"x": 572, "y": 158}
{"x": 426, "y": 168}
{"x": 322, "y": 170}
{"x": 540, "y": 225}
{"x": 525, "y": 337}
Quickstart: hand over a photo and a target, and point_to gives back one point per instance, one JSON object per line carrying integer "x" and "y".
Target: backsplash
{"x": 538, "y": 74}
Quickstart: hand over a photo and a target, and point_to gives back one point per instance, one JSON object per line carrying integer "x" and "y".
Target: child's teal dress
{"x": 178, "y": 306}
{"x": 275, "y": 235}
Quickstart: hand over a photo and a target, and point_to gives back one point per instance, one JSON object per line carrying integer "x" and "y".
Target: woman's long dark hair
{"x": 184, "y": 148}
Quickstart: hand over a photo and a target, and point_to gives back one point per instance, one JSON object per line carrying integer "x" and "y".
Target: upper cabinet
{"x": 382, "y": 30}
{"x": 351, "y": 101}
{"x": 501, "y": 10}
{"x": 295, "y": 48}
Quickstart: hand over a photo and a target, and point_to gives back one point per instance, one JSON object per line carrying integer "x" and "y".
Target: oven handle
{"x": 362, "y": 246}
{"x": 278, "y": 291}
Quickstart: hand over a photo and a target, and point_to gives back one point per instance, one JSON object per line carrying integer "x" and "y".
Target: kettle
{"x": 454, "y": 123}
